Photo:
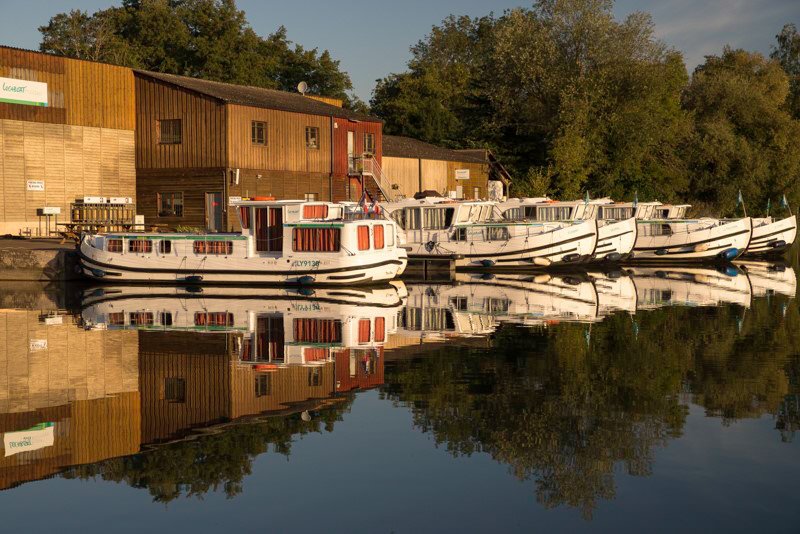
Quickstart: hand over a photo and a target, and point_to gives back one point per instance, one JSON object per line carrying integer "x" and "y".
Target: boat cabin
{"x": 440, "y": 213}
{"x": 616, "y": 211}
{"x": 546, "y": 210}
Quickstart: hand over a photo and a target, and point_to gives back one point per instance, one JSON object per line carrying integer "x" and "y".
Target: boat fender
{"x": 305, "y": 280}
{"x": 487, "y": 263}
{"x": 543, "y": 262}
{"x": 613, "y": 256}
{"x": 777, "y": 268}
{"x": 487, "y": 276}
{"x": 731, "y": 271}
{"x": 614, "y": 274}
{"x": 193, "y": 289}
{"x": 99, "y": 273}
{"x": 194, "y": 278}
{"x": 729, "y": 253}
{"x": 306, "y": 291}
{"x": 778, "y": 243}
{"x": 660, "y": 274}
{"x": 661, "y": 252}
{"x": 430, "y": 245}
{"x": 702, "y": 247}
{"x": 571, "y": 257}
{"x": 542, "y": 278}
{"x": 571, "y": 281}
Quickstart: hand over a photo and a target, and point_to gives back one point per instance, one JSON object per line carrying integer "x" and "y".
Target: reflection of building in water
{"x": 67, "y": 396}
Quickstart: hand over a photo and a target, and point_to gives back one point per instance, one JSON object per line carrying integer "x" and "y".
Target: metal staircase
{"x": 371, "y": 168}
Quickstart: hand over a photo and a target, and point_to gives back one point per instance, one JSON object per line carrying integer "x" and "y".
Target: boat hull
{"x": 711, "y": 241}
{"x": 108, "y": 267}
{"x": 772, "y": 237}
{"x": 615, "y": 239}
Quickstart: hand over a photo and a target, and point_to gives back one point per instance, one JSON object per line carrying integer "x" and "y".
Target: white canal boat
{"x": 772, "y": 236}
{"x": 281, "y": 242}
{"x": 615, "y": 236}
{"x": 474, "y": 234}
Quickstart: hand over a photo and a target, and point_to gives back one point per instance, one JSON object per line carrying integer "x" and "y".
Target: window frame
{"x": 369, "y": 148}
{"x": 165, "y": 246}
{"x": 160, "y": 200}
{"x": 145, "y": 244}
{"x": 315, "y": 131}
{"x": 171, "y": 138}
{"x": 254, "y": 125}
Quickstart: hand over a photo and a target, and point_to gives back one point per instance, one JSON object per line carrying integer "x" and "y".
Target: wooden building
{"x": 201, "y": 143}
{"x": 413, "y": 166}
{"x": 66, "y": 131}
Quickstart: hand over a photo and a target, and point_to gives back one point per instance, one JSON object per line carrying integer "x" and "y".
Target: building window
{"x": 169, "y": 132}
{"x": 311, "y": 197}
{"x": 170, "y": 204}
{"x": 312, "y": 137}
{"x": 175, "y": 390}
{"x": 213, "y": 247}
{"x": 314, "y": 377}
{"x": 258, "y": 133}
{"x": 263, "y": 385}
{"x": 114, "y": 245}
{"x": 140, "y": 245}
{"x": 165, "y": 246}
{"x": 369, "y": 143}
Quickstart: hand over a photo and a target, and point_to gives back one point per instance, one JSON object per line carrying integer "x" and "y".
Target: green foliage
{"x": 208, "y": 39}
{"x": 788, "y": 54}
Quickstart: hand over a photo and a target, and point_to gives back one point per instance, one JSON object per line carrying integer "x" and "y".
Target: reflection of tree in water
{"x": 213, "y": 460}
{"x": 565, "y": 414}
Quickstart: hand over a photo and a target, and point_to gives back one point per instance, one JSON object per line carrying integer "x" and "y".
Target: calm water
{"x": 658, "y": 400}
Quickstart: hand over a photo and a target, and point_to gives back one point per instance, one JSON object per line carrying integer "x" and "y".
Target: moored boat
{"x": 281, "y": 242}
{"x": 474, "y": 234}
{"x": 686, "y": 240}
{"x": 772, "y": 236}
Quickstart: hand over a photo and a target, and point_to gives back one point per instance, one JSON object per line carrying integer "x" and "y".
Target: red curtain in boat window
{"x": 247, "y": 351}
{"x": 244, "y": 215}
{"x": 378, "y": 236}
{"x": 317, "y": 330}
{"x": 140, "y": 245}
{"x": 380, "y": 329}
{"x": 114, "y": 245}
{"x": 269, "y": 229}
{"x": 141, "y": 318}
{"x": 213, "y": 247}
{"x": 363, "y": 237}
{"x": 315, "y": 239}
{"x": 318, "y": 211}
{"x": 364, "y": 327}
{"x": 314, "y": 354}
{"x": 270, "y": 339}
{"x": 116, "y": 319}
{"x": 213, "y": 319}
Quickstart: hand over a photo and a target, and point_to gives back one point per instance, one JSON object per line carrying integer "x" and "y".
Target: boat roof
{"x": 433, "y": 201}
{"x": 248, "y": 202}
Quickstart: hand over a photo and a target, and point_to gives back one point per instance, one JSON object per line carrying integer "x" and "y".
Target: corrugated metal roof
{"x": 258, "y": 96}
{"x": 396, "y": 146}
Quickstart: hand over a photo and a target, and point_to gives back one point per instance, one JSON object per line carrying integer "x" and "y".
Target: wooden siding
{"x": 202, "y": 127}
{"x": 340, "y": 163}
{"x": 73, "y": 161}
{"x": 193, "y": 183}
{"x": 404, "y": 172}
{"x": 436, "y": 175}
{"x": 286, "y": 141}
{"x": 478, "y": 177}
{"x": 80, "y": 93}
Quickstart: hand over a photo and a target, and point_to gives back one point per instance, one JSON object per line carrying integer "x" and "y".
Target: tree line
{"x": 574, "y": 100}
{"x": 570, "y": 98}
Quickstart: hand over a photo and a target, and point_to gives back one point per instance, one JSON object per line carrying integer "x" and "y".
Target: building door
{"x": 351, "y": 152}
{"x": 214, "y": 212}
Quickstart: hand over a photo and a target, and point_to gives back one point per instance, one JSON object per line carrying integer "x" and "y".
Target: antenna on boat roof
{"x": 302, "y": 87}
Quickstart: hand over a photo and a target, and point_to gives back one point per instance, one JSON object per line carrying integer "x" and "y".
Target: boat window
{"x": 412, "y": 219}
{"x": 114, "y": 245}
{"x": 497, "y": 233}
{"x": 390, "y": 236}
{"x": 363, "y": 237}
{"x": 270, "y": 338}
{"x": 213, "y": 319}
{"x": 399, "y": 216}
{"x": 460, "y": 234}
{"x": 459, "y": 303}
{"x": 497, "y": 305}
{"x": 140, "y": 245}
{"x": 213, "y": 247}
{"x": 116, "y": 319}
{"x": 315, "y": 211}
{"x": 616, "y": 214}
{"x": 316, "y": 239}
{"x": 438, "y": 218}
{"x": 530, "y": 212}
{"x": 141, "y": 318}
{"x": 553, "y": 213}
{"x": 244, "y": 217}
{"x": 165, "y": 246}
{"x": 663, "y": 214}
{"x": 165, "y": 318}
{"x": 263, "y": 384}
{"x": 317, "y": 330}
{"x": 315, "y": 354}
{"x": 364, "y": 330}
{"x": 380, "y": 329}
{"x": 513, "y": 214}
{"x": 315, "y": 377}
{"x": 269, "y": 229}
{"x": 377, "y": 238}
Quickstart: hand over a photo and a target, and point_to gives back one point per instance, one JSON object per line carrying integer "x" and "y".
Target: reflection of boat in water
{"x": 660, "y": 287}
{"x": 770, "y": 278}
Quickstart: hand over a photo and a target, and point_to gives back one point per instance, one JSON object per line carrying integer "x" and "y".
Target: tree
{"x": 208, "y": 39}
{"x": 788, "y": 54}
{"x": 745, "y": 139}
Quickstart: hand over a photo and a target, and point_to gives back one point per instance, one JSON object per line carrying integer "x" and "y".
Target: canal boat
{"x": 770, "y": 278}
{"x": 474, "y": 234}
{"x": 771, "y": 236}
{"x": 615, "y": 236}
{"x": 658, "y": 287}
{"x": 281, "y": 242}
{"x": 691, "y": 240}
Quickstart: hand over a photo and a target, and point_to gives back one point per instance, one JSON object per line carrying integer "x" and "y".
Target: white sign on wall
{"x": 462, "y": 174}
{"x": 26, "y": 92}
{"x": 36, "y": 345}
{"x": 35, "y": 185}
{"x": 233, "y": 199}
{"x": 35, "y": 438}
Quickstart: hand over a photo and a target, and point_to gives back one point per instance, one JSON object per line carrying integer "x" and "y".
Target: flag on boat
{"x": 635, "y": 199}
{"x": 739, "y": 199}
{"x": 784, "y": 203}
{"x": 769, "y": 204}
{"x": 586, "y": 198}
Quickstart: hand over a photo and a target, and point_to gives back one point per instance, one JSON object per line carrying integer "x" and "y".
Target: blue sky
{"x": 372, "y": 38}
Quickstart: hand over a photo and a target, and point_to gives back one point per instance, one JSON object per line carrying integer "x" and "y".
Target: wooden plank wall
{"x": 286, "y": 141}
{"x": 77, "y": 364}
{"x": 434, "y": 175}
{"x": 80, "y": 93}
{"x": 478, "y": 177}
{"x": 202, "y": 123}
{"x": 404, "y": 172}
{"x": 194, "y": 183}
{"x": 73, "y": 161}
